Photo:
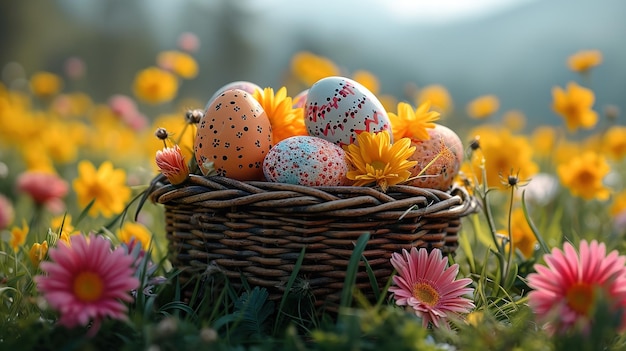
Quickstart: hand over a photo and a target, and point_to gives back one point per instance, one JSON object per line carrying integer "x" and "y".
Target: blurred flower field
{"x": 84, "y": 265}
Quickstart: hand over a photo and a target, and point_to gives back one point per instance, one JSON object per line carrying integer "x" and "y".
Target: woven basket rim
{"x": 222, "y": 192}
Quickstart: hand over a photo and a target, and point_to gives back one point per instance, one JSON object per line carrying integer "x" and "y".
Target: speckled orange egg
{"x": 234, "y": 135}
{"x": 441, "y": 173}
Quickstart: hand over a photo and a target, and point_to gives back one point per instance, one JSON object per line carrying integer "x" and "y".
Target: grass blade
{"x": 290, "y": 282}
{"x": 351, "y": 271}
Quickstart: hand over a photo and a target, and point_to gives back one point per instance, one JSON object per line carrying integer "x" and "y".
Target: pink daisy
{"x": 566, "y": 290}
{"x": 426, "y": 284}
{"x": 44, "y": 188}
{"x": 87, "y": 281}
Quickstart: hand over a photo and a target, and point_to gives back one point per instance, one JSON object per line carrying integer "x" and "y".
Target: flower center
{"x": 425, "y": 293}
{"x": 378, "y": 165}
{"x": 579, "y": 297}
{"x": 586, "y": 177}
{"x": 88, "y": 286}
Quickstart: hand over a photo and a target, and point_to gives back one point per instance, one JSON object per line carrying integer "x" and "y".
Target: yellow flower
{"x": 574, "y": 105}
{"x": 543, "y": 140}
{"x": 58, "y": 143}
{"x": 62, "y": 225}
{"x": 565, "y": 150}
{"x": 614, "y": 142}
{"x": 584, "y": 60}
{"x": 514, "y": 120}
{"x": 155, "y": 85}
{"x": 286, "y": 121}
{"x": 483, "y": 106}
{"x": 182, "y": 64}
{"x": 438, "y": 96}
{"x": 413, "y": 124}
{"x": 38, "y": 252}
{"x": 583, "y": 176}
{"x": 135, "y": 231}
{"x": 309, "y": 68}
{"x": 18, "y": 236}
{"x": 105, "y": 186}
{"x": 368, "y": 80}
{"x": 475, "y": 318}
{"x": 522, "y": 236}
{"x": 45, "y": 84}
{"x": 376, "y": 160}
{"x": 502, "y": 153}
{"x": 619, "y": 204}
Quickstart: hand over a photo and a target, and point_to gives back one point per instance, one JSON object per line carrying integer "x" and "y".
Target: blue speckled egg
{"x": 306, "y": 160}
{"x": 338, "y": 109}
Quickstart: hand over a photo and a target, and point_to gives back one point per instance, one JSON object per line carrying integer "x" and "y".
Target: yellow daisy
{"x": 155, "y": 85}
{"x": 413, "y": 124}
{"x": 614, "y": 142}
{"x": 619, "y": 204}
{"x": 483, "y": 106}
{"x": 584, "y": 60}
{"x": 106, "y": 187}
{"x": 18, "y": 236}
{"x": 574, "y": 105}
{"x": 438, "y": 96}
{"x": 500, "y": 154}
{"x": 181, "y": 63}
{"x": 309, "y": 68}
{"x": 137, "y": 231}
{"x": 583, "y": 176}
{"x": 286, "y": 121}
{"x": 376, "y": 160}
{"x": 45, "y": 84}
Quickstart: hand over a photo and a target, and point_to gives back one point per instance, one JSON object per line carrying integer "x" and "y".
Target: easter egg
{"x": 446, "y": 149}
{"x": 234, "y": 136}
{"x": 338, "y": 109}
{"x": 306, "y": 160}
{"x": 246, "y": 86}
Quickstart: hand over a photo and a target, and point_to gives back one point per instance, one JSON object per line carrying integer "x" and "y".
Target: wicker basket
{"x": 258, "y": 229}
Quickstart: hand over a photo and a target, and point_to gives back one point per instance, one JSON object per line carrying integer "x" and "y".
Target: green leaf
{"x": 533, "y": 227}
{"x": 351, "y": 271}
{"x": 251, "y": 311}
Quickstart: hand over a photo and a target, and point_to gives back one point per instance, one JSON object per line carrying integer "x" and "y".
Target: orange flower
{"x": 584, "y": 60}
{"x": 574, "y": 105}
{"x": 172, "y": 164}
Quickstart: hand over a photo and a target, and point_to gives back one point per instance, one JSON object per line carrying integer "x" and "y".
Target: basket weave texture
{"x": 258, "y": 229}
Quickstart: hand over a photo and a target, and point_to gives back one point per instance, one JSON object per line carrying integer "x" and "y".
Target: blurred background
{"x": 514, "y": 49}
